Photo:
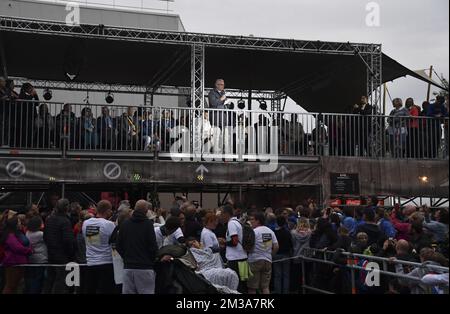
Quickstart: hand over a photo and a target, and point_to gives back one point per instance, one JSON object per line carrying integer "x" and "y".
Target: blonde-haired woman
{"x": 300, "y": 240}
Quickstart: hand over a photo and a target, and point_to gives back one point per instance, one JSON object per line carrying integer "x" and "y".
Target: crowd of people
{"x": 409, "y": 131}
{"x": 230, "y": 249}
{"x": 28, "y": 123}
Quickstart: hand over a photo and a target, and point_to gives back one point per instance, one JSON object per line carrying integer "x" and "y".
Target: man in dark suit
{"x": 364, "y": 125}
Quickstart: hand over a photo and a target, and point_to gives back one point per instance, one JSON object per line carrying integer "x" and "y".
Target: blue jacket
{"x": 147, "y": 128}
{"x": 357, "y": 224}
{"x": 387, "y": 228}
{"x": 350, "y": 224}
{"x": 435, "y": 109}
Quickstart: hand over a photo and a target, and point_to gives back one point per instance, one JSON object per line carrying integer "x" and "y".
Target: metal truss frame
{"x": 419, "y": 201}
{"x": 370, "y": 53}
{"x": 198, "y": 76}
{"x": 137, "y": 89}
{"x": 374, "y": 91}
{"x": 180, "y": 38}
{"x": 374, "y": 81}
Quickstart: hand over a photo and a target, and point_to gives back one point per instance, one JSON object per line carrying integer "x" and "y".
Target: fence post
{"x": 303, "y": 276}
{"x": 353, "y": 280}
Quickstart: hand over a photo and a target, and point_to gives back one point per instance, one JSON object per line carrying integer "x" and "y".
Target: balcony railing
{"x": 215, "y": 134}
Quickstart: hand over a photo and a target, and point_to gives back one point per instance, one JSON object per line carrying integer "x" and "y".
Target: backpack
{"x": 248, "y": 237}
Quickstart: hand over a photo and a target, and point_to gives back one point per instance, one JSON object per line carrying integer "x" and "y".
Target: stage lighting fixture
{"x": 71, "y": 76}
{"x": 262, "y": 104}
{"x": 241, "y": 104}
{"x": 109, "y": 98}
{"x": 47, "y": 94}
{"x": 231, "y": 105}
{"x": 423, "y": 179}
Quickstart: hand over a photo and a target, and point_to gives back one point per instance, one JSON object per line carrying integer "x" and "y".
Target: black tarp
{"x": 376, "y": 176}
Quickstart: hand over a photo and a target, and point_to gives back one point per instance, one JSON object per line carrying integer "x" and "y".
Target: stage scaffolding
{"x": 370, "y": 54}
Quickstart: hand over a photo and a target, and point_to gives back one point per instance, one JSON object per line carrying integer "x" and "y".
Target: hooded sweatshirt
{"x": 372, "y": 231}
{"x": 300, "y": 240}
{"x": 136, "y": 242}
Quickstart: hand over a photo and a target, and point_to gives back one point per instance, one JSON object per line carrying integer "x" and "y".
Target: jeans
{"x": 34, "y": 279}
{"x": 100, "y": 279}
{"x": 281, "y": 274}
{"x": 13, "y": 277}
{"x": 56, "y": 281}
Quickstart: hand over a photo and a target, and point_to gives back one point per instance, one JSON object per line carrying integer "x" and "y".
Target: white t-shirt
{"x": 264, "y": 239}
{"x": 208, "y": 239}
{"x": 96, "y": 233}
{"x": 162, "y": 240}
{"x": 234, "y": 253}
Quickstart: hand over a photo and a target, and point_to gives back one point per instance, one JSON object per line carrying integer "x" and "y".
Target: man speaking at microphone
{"x": 217, "y": 99}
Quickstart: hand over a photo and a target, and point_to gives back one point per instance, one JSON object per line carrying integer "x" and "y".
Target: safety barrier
{"x": 316, "y": 256}
{"x": 232, "y": 133}
{"x": 313, "y": 256}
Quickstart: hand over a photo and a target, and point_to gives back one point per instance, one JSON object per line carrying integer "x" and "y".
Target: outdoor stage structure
{"x": 320, "y": 76}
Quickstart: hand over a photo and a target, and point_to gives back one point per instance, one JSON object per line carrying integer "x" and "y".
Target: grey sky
{"x": 414, "y": 32}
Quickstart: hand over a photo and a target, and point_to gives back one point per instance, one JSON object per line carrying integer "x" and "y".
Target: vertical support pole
{"x": 249, "y": 99}
{"x": 303, "y": 276}
{"x": 197, "y": 97}
{"x": 198, "y": 76}
{"x": 63, "y": 190}
{"x": 218, "y": 199}
{"x": 429, "y": 85}
{"x": 29, "y": 198}
{"x": 352, "y": 274}
{"x": 3, "y": 58}
{"x": 320, "y": 196}
{"x": 374, "y": 92}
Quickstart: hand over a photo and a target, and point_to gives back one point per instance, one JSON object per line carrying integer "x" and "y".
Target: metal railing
{"x": 324, "y": 257}
{"x": 214, "y": 133}
{"x": 309, "y": 256}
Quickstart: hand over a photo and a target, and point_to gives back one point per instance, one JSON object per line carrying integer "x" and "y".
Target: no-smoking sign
{"x": 15, "y": 169}
{"x": 112, "y": 170}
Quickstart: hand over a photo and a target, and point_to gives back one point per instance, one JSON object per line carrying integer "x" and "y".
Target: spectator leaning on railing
{"x": 397, "y": 129}
{"x": 44, "y": 128}
{"x": 413, "y": 129}
{"x": 25, "y": 115}
{"x": 436, "y": 110}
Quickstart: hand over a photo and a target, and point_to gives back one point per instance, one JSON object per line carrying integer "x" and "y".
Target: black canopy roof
{"x": 317, "y": 82}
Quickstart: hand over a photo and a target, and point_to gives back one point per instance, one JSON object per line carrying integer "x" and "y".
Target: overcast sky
{"x": 414, "y": 32}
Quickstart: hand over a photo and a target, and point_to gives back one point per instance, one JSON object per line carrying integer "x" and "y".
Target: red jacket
{"x": 403, "y": 228}
{"x": 414, "y": 112}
